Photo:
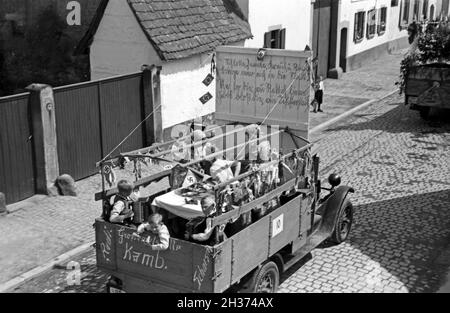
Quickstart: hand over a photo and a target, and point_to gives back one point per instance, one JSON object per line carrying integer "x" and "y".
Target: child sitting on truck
{"x": 199, "y": 229}
{"x": 156, "y": 226}
{"x": 121, "y": 212}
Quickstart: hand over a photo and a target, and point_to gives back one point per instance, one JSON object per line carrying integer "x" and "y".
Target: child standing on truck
{"x": 156, "y": 227}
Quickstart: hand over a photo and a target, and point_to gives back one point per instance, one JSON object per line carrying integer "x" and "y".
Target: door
{"x": 17, "y": 178}
{"x": 343, "y": 50}
{"x": 321, "y": 35}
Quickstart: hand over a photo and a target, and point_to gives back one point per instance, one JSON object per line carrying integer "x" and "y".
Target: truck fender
{"x": 332, "y": 207}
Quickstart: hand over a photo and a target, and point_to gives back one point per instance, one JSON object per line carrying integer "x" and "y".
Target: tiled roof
{"x": 182, "y": 28}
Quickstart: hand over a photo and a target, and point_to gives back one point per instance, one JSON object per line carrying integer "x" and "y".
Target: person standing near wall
{"x": 318, "y": 95}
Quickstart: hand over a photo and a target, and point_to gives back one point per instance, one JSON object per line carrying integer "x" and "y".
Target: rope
{"x": 131, "y": 133}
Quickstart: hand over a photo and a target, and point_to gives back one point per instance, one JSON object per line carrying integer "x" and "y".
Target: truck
{"x": 428, "y": 86}
{"x": 276, "y": 228}
{"x": 426, "y": 69}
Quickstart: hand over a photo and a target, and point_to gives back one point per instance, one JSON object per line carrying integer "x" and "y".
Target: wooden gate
{"x": 93, "y": 118}
{"x": 17, "y": 179}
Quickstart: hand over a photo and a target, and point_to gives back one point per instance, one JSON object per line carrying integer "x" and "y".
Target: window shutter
{"x": 283, "y": 38}
{"x": 267, "y": 38}
{"x": 355, "y": 30}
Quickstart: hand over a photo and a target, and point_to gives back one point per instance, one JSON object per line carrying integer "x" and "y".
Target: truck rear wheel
{"x": 424, "y": 112}
{"x": 343, "y": 223}
{"x": 265, "y": 280}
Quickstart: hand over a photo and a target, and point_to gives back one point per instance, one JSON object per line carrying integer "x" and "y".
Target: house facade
{"x": 278, "y": 24}
{"x": 180, "y": 36}
{"x": 361, "y": 31}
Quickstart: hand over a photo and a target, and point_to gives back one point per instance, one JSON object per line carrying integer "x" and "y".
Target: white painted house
{"x": 359, "y": 31}
{"x": 377, "y": 26}
{"x": 349, "y": 33}
{"x": 282, "y": 24}
{"x": 179, "y": 35}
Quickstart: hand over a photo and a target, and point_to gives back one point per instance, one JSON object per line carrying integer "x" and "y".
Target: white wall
{"x": 294, "y": 15}
{"x": 120, "y": 46}
{"x": 347, "y": 11}
{"x": 182, "y": 87}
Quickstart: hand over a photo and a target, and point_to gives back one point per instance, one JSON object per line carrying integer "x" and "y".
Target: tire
{"x": 424, "y": 112}
{"x": 265, "y": 280}
{"x": 343, "y": 223}
{"x": 113, "y": 282}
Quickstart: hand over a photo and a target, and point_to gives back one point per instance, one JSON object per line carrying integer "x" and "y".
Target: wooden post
{"x": 3, "y": 210}
{"x": 152, "y": 103}
{"x": 42, "y": 110}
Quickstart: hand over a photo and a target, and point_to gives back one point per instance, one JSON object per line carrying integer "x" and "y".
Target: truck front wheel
{"x": 424, "y": 112}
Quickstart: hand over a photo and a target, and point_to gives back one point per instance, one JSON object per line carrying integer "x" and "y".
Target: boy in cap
{"x": 121, "y": 212}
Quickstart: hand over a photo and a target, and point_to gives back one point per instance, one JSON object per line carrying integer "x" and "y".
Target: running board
{"x": 313, "y": 241}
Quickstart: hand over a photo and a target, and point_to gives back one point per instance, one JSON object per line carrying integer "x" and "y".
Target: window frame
{"x": 275, "y": 39}
{"x": 370, "y": 27}
{"x": 416, "y": 10}
{"x": 382, "y": 25}
{"x": 362, "y": 23}
{"x": 405, "y": 8}
{"x": 425, "y": 8}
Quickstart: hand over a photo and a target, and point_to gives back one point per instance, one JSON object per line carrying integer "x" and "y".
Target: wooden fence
{"x": 92, "y": 118}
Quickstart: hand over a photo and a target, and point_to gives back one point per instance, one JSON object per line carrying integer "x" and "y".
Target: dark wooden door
{"x": 78, "y": 129}
{"x": 321, "y": 35}
{"x": 93, "y": 118}
{"x": 17, "y": 180}
{"x": 343, "y": 50}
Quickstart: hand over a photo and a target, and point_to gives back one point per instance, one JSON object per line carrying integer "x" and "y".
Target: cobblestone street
{"x": 400, "y": 169}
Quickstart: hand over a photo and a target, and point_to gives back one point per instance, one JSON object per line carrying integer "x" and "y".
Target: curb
{"x": 336, "y": 119}
{"x": 13, "y": 283}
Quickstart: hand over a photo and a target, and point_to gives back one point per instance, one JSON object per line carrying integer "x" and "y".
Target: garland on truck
{"x": 430, "y": 43}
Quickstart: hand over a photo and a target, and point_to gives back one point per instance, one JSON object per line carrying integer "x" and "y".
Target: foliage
{"x": 432, "y": 46}
{"x": 43, "y": 55}
{"x": 405, "y": 65}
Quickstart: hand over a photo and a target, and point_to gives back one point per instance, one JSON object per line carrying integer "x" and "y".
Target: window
{"x": 394, "y": 3}
{"x": 275, "y": 39}
{"x": 425, "y": 9}
{"x": 359, "y": 26}
{"x": 404, "y": 14}
{"x": 382, "y": 17}
{"x": 416, "y": 10}
{"x": 371, "y": 23}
